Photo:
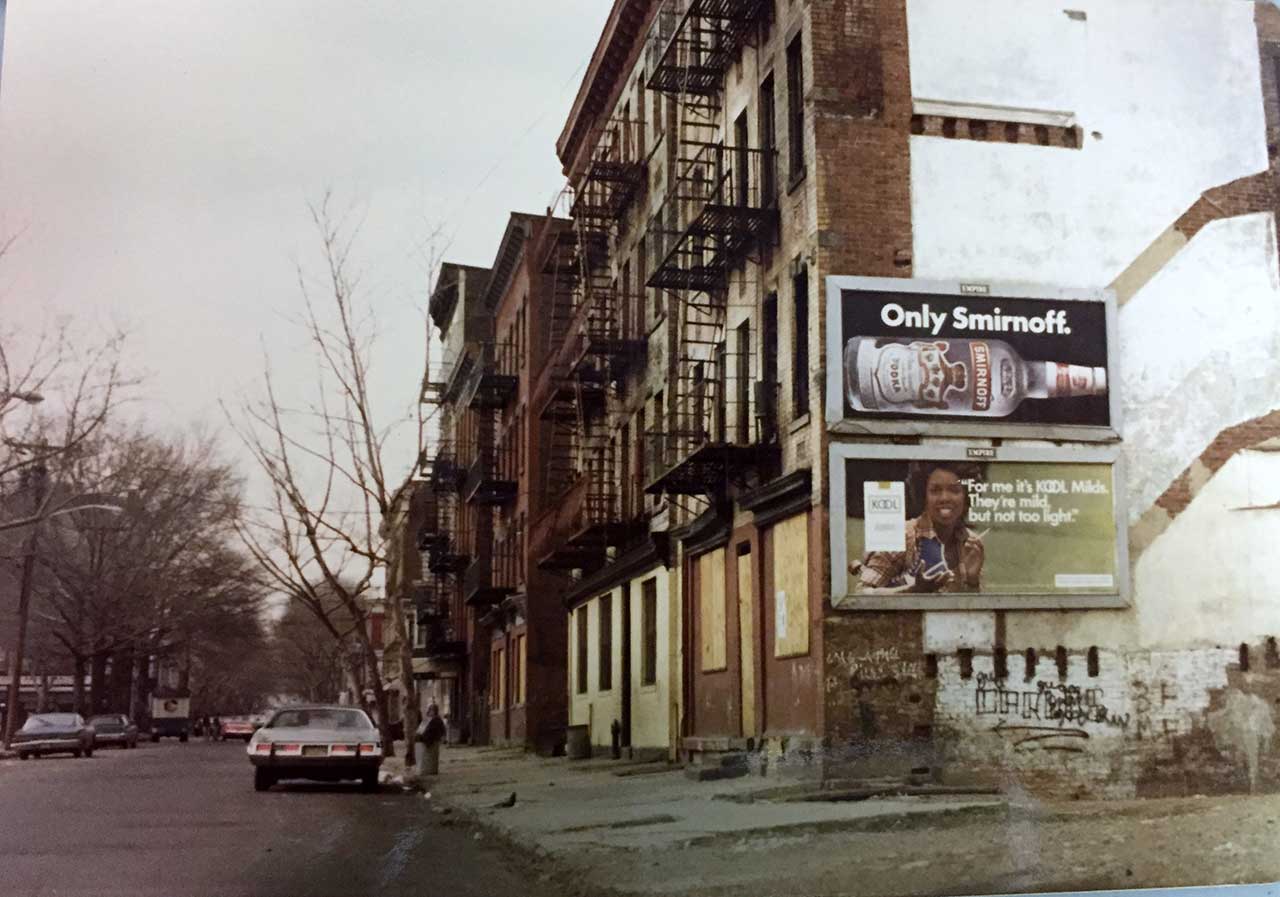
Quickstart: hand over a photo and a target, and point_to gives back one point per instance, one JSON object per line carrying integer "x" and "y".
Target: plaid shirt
{"x": 883, "y": 569}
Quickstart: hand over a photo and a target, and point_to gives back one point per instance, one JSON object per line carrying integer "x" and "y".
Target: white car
{"x": 321, "y": 742}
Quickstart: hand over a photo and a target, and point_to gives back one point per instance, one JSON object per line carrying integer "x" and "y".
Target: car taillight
{"x": 262, "y": 748}
{"x": 370, "y": 750}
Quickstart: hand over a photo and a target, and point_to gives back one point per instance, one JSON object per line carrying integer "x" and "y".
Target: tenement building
{"x": 903, "y": 402}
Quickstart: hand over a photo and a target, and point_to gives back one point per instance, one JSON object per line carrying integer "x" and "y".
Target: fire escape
{"x": 433, "y": 595}
{"x": 594, "y": 343}
{"x": 489, "y": 481}
{"x": 720, "y": 422}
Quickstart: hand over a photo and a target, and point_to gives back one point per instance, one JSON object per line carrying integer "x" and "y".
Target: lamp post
{"x": 36, "y": 480}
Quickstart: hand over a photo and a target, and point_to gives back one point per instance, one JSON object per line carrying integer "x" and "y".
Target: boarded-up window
{"x": 498, "y": 680}
{"x": 790, "y": 548}
{"x": 605, "y": 657}
{"x": 580, "y": 646}
{"x": 518, "y": 670}
{"x": 711, "y": 620}
{"x": 649, "y": 629}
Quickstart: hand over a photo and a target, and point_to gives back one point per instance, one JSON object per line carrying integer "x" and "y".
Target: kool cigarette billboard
{"x": 959, "y": 358}
{"x": 975, "y": 527}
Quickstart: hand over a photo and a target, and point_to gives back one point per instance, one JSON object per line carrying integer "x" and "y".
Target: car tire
{"x": 369, "y": 781}
{"x": 22, "y": 755}
{"x": 263, "y": 779}
{"x": 77, "y": 754}
{"x": 183, "y": 737}
{"x": 155, "y": 737}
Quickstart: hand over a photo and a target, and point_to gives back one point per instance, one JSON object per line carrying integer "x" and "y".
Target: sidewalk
{"x": 629, "y": 826}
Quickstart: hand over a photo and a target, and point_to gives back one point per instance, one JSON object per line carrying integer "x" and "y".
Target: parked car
{"x": 114, "y": 728}
{"x": 238, "y": 727}
{"x": 54, "y": 733}
{"x": 325, "y": 743}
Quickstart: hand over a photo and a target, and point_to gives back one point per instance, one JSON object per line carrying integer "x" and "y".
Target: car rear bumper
{"x": 318, "y": 768}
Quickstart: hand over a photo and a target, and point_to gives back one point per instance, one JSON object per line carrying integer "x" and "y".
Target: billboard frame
{"x": 840, "y": 425}
{"x": 958, "y": 450}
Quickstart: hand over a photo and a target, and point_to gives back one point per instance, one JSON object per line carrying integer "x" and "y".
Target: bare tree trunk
{"x": 77, "y": 687}
{"x": 97, "y": 681}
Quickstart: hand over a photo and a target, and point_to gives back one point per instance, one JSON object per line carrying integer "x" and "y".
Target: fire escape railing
{"x": 491, "y": 576}
{"x": 695, "y": 41}
{"x": 614, "y": 175}
{"x": 721, "y": 205}
{"x": 722, "y": 427}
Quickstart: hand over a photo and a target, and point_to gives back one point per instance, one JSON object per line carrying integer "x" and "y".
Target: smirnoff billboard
{"x": 915, "y": 356}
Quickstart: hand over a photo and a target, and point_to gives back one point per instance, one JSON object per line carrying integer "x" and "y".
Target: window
{"x": 743, "y": 377}
{"x": 580, "y": 644}
{"x": 795, "y": 109}
{"x": 768, "y": 145}
{"x": 606, "y": 643}
{"x": 800, "y": 341}
{"x": 497, "y": 677}
{"x": 518, "y": 662}
{"x": 649, "y": 632}
{"x": 742, "y": 159}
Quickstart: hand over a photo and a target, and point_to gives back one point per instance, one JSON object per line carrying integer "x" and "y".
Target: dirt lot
{"x": 1031, "y": 847}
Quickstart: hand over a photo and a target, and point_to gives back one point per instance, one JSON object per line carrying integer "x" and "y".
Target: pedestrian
{"x": 217, "y": 728}
{"x": 427, "y": 742}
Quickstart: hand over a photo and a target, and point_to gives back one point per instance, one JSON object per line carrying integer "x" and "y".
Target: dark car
{"x": 324, "y": 743}
{"x": 54, "y": 733}
{"x": 114, "y": 728}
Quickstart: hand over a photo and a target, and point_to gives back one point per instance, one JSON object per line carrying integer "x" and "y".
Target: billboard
{"x": 912, "y": 356}
{"x": 976, "y": 527}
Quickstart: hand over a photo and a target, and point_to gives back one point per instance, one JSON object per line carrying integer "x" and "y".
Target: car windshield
{"x": 321, "y": 719}
{"x": 49, "y": 721}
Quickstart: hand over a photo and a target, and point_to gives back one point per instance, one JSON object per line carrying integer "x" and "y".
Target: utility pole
{"x": 36, "y": 481}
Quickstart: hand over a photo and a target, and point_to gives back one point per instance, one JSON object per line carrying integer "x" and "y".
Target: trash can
{"x": 578, "y": 742}
{"x": 427, "y": 757}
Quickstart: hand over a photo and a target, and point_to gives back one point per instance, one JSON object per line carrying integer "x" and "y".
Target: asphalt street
{"x": 183, "y": 819}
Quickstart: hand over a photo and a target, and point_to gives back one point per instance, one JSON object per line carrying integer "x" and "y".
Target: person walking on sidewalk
{"x": 427, "y": 742}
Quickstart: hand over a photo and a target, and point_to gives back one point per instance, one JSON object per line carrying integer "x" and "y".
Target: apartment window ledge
{"x": 798, "y": 424}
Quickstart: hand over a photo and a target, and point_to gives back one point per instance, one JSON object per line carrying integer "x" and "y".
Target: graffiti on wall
{"x": 871, "y": 667}
{"x": 1050, "y": 716}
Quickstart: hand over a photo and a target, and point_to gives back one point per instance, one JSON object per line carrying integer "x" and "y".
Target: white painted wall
{"x": 1172, "y": 87}
{"x": 1168, "y": 95}
{"x": 650, "y": 704}
{"x": 595, "y": 708}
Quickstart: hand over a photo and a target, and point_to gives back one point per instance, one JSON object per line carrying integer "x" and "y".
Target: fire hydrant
{"x": 616, "y": 731}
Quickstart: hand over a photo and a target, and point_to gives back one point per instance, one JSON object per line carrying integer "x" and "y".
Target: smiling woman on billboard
{"x": 940, "y": 553}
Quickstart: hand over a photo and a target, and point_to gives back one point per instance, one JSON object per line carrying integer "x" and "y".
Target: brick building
{"x": 725, "y": 161}
{"x": 493, "y": 635}
{"x": 748, "y": 177}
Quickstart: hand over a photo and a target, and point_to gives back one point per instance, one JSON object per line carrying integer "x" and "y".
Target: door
{"x": 747, "y": 640}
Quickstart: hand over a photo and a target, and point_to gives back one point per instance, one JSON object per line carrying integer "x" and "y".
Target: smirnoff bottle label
{"x": 974, "y": 377}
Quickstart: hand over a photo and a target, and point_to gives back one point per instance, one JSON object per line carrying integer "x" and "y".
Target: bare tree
{"x": 312, "y": 664}
{"x": 71, "y": 383}
{"x": 159, "y": 577}
{"x": 319, "y": 542}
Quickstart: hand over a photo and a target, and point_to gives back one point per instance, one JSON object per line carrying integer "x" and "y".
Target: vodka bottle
{"x": 972, "y": 377}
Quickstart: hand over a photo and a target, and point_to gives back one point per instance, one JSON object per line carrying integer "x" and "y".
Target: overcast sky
{"x": 158, "y": 157}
